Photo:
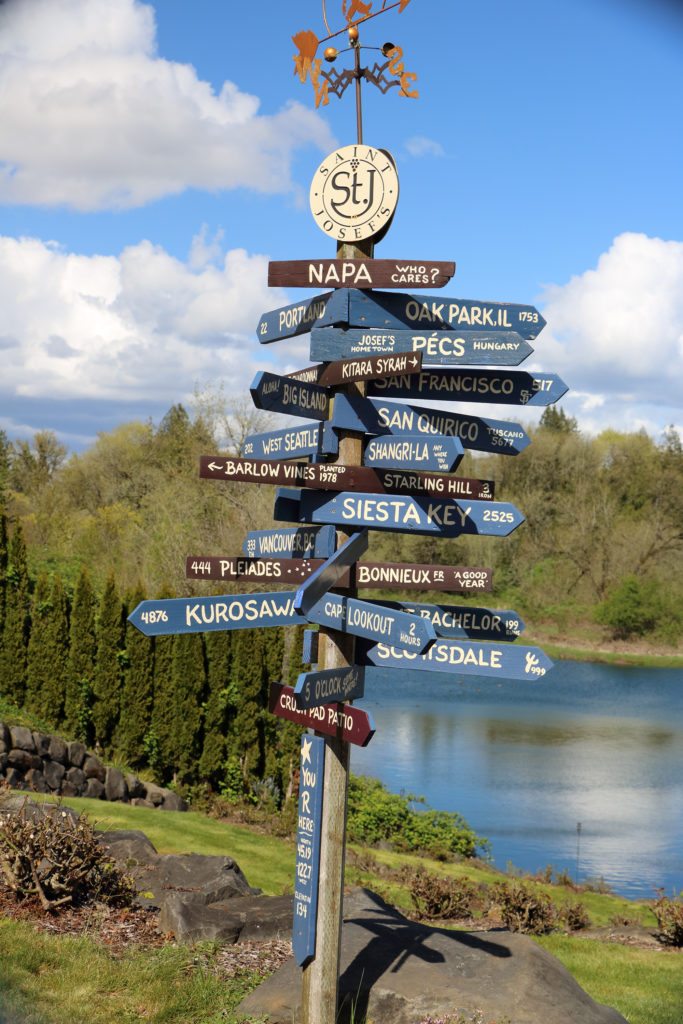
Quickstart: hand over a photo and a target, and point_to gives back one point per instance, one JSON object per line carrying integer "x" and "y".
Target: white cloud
{"x": 93, "y": 119}
{"x": 615, "y": 334}
{"x": 419, "y": 145}
{"x": 142, "y": 327}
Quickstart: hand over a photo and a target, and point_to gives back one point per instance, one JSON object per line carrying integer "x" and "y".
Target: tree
{"x": 137, "y": 692}
{"x": 219, "y": 709}
{"x": 249, "y": 676}
{"x": 39, "y": 663}
{"x": 79, "y": 682}
{"x": 108, "y": 671}
{"x": 4, "y": 553}
{"x": 188, "y": 686}
{"x": 158, "y": 742}
{"x": 17, "y": 623}
{"x": 35, "y": 462}
{"x": 56, "y": 637}
{"x": 557, "y": 420}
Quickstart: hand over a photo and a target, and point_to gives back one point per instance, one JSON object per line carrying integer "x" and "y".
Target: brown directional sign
{"x": 338, "y": 477}
{"x": 342, "y": 720}
{"x": 359, "y": 273}
{"x": 363, "y": 368}
{"x": 369, "y": 575}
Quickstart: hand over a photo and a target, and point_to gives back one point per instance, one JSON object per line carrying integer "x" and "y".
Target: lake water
{"x": 525, "y": 762}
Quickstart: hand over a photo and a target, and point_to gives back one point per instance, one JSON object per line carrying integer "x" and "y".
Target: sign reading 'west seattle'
{"x": 291, "y": 443}
{"x": 359, "y": 273}
{"x": 387, "y": 310}
{"x": 345, "y": 371}
{"x": 508, "y": 660}
{"x": 343, "y": 720}
{"x": 505, "y": 348}
{"x": 443, "y": 516}
{"x": 376, "y": 416}
{"x": 309, "y": 824}
{"x": 514, "y": 387}
{"x": 339, "y": 477}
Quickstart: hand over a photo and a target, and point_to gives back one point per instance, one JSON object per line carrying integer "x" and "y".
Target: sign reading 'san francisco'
{"x": 354, "y": 193}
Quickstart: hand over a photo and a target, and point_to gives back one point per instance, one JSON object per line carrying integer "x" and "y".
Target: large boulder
{"x": 394, "y": 971}
{"x": 240, "y": 919}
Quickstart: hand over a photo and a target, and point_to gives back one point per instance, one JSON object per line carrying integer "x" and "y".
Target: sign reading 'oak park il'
{"x": 359, "y": 273}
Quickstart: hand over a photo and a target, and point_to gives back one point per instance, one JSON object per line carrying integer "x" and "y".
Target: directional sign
{"x": 443, "y": 516}
{"x": 291, "y": 443}
{"x": 372, "y": 621}
{"x": 455, "y": 621}
{"x": 174, "y": 615}
{"x": 329, "y": 573}
{"x": 514, "y": 387}
{"x": 376, "y": 416}
{"x": 333, "y": 684}
{"x": 508, "y": 661}
{"x": 300, "y": 317}
{"x": 339, "y": 477}
{"x": 297, "y": 542}
{"x": 309, "y": 830}
{"x": 415, "y": 451}
{"x": 504, "y": 348}
{"x": 451, "y": 578}
{"x": 368, "y": 368}
{"x": 293, "y": 397}
{"x": 359, "y": 273}
{"x": 432, "y": 312}
{"x": 309, "y": 653}
{"x": 342, "y": 720}
{"x": 289, "y": 571}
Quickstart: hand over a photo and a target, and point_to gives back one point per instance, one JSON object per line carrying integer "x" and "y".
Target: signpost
{"x": 511, "y": 387}
{"x": 312, "y": 439}
{"x": 296, "y": 542}
{"x": 443, "y": 516}
{"x": 505, "y": 348}
{"x": 508, "y": 661}
{"x": 311, "y": 771}
{"x": 345, "y": 371}
{"x": 372, "y": 621}
{"x": 334, "y": 684}
{"x": 413, "y": 451}
{"x": 338, "y": 477}
{"x": 353, "y": 273}
{"x": 292, "y": 397}
{"x": 331, "y": 571}
{"x": 169, "y": 616}
{"x": 463, "y": 621}
{"x": 343, "y": 721}
{"x": 374, "y": 416}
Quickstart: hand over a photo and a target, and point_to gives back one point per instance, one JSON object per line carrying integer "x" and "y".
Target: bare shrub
{"x": 523, "y": 909}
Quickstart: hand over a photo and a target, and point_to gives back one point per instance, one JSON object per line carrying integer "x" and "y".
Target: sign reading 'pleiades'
{"x": 513, "y": 387}
{"x": 343, "y": 720}
{"x": 508, "y": 660}
{"x": 333, "y": 684}
{"x": 504, "y": 348}
{"x": 339, "y": 477}
{"x": 444, "y": 516}
{"x": 375, "y": 416}
{"x": 359, "y": 273}
{"x": 240, "y": 570}
{"x": 309, "y": 822}
{"x": 174, "y": 615}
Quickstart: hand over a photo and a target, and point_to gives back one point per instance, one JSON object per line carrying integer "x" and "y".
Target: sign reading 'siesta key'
{"x": 343, "y": 720}
{"x": 504, "y": 348}
{"x": 359, "y": 273}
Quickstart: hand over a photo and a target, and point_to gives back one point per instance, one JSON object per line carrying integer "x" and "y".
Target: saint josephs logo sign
{"x": 354, "y": 193}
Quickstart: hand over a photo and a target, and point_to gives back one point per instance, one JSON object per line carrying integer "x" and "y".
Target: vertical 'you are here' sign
{"x": 308, "y": 847}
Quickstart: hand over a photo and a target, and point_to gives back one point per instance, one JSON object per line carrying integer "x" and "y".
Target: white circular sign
{"x": 354, "y": 193}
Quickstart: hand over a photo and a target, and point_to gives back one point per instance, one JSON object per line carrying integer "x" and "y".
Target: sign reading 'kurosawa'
{"x": 170, "y": 616}
{"x": 504, "y": 348}
{"x": 343, "y": 720}
{"x": 507, "y": 660}
{"x": 359, "y": 273}
{"x": 443, "y": 516}
{"x": 377, "y": 416}
{"x": 507, "y": 386}
{"x": 309, "y": 823}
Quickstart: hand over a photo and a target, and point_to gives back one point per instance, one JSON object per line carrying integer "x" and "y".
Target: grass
{"x": 565, "y": 653}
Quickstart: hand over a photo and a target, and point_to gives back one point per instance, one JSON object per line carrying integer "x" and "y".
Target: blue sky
{"x": 154, "y": 156}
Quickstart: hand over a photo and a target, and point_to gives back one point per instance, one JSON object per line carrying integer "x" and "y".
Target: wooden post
{"x": 320, "y": 981}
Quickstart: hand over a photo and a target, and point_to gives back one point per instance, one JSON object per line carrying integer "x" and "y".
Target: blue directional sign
{"x": 502, "y": 348}
{"x": 324, "y": 578}
{"x": 372, "y": 621}
{"x": 309, "y": 829}
{"x": 291, "y": 443}
{"x": 297, "y": 542}
{"x": 514, "y": 387}
{"x": 170, "y": 616}
{"x": 292, "y": 397}
{"x": 309, "y": 653}
{"x": 443, "y": 516}
{"x": 300, "y": 317}
{"x": 413, "y": 451}
{"x": 314, "y": 689}
{"x": 454, "y": 657}
{"x": 456, "y": 621}
{"x": 375, "y": 416}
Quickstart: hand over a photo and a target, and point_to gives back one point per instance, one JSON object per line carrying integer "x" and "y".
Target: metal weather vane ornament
{"x": 384, "y": 75}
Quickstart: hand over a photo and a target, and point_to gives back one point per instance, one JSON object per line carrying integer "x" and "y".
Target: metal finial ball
{"x": 387, "y": 48}
{"x": 353, "y": 35}
{"x": 331, "y": 54}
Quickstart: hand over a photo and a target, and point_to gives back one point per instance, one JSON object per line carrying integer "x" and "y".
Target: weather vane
{"x": 391, "y": 73}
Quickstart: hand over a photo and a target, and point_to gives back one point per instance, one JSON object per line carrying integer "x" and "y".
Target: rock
{"x": 13, "y": 778}
{"x": 5, "y": 735}
{"x": 138, "y": 801}
{"x": 76, "y": 754}
{"x": 94, "y": 789}
{"x": 58, "y": 750}
{"x": 93, "y": 768}
{"x": 23, "y": 761}
{"x": 115, "y": 785}
{"x": 397, "y": 972}
{"x": 129, "y": 844}
{"x": 240, "y": 919}
{"x": 4, "y": 761}
{"x": 155, "y": 794}
{"x": 4, "y": 747}
{"x": 22, "y": 738}
{"x": 35, "y": 780}
{"x": 54, "y": 772}
{"x": 42, "y": 744}
{"x": 135, "y": 787}
{"x": 172, "y": 802}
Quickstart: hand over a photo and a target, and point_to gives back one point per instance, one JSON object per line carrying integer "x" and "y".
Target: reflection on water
{"x": 525, "y": 762}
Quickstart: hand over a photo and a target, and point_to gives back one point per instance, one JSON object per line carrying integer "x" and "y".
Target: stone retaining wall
{"x": 47, "y": 764}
